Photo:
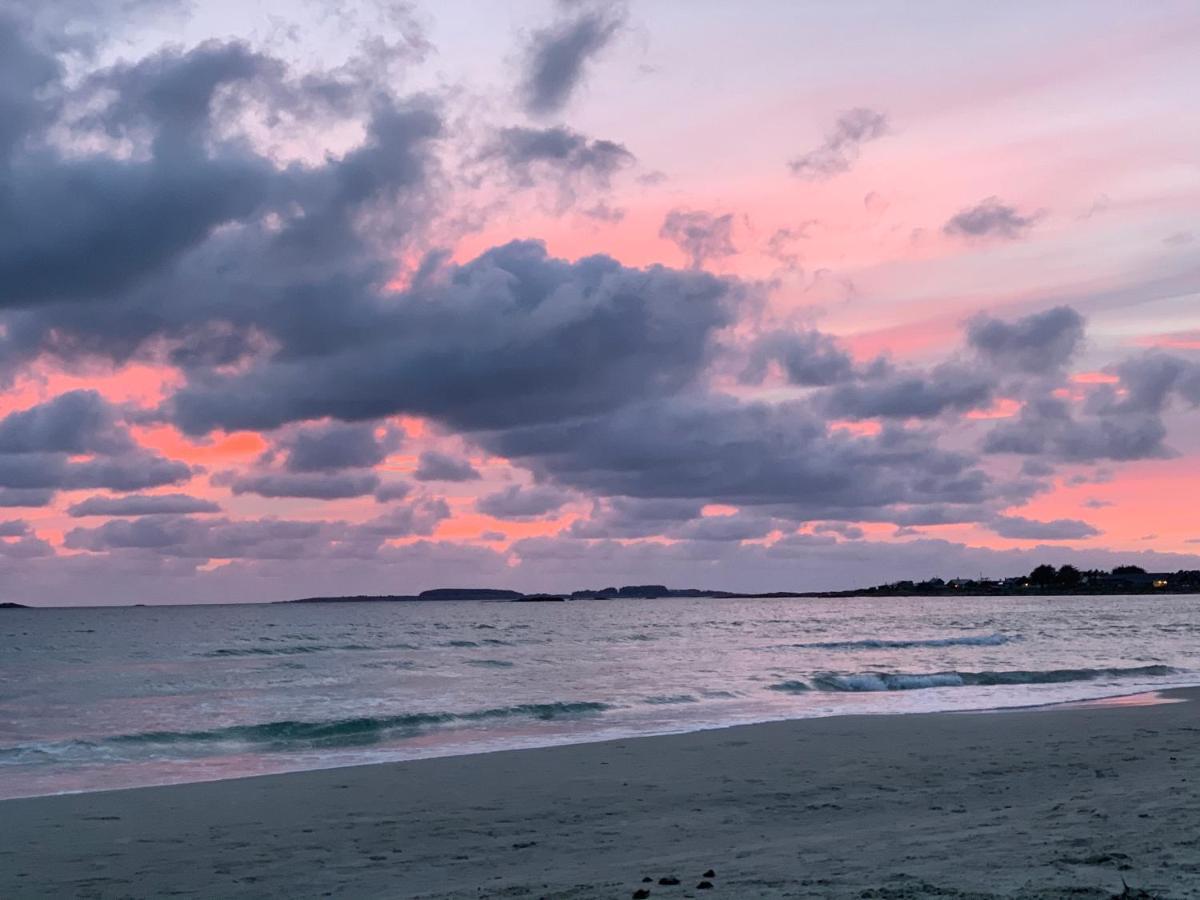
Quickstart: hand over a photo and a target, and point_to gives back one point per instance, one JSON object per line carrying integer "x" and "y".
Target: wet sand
{"x": 1049, "y": 803}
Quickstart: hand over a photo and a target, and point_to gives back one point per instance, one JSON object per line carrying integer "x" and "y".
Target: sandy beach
{"x": 1064, "y": 802}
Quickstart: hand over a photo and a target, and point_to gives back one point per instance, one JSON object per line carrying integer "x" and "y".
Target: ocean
{"x": 101, "y": 698}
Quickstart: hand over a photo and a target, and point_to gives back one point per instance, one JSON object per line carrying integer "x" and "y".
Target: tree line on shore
{"x": 1046, "y": 578}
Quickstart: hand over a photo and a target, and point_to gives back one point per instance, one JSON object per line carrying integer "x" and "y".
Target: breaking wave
{"x": 902, "y": 681}
{"x": 295, "y": 735}
{"x": 970, "y": 640}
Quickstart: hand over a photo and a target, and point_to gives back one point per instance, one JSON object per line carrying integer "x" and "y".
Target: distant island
{"x": 1045, "y": 580}
{"x": 13, "y": 606}
{"x": 627, "y": 592}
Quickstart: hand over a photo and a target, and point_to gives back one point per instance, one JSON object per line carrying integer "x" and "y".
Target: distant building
{"x": 1138, "y": 580}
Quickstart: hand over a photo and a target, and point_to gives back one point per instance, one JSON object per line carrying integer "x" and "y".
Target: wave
{"x": 295, "y": 735}
{"x": 902, "y": 681}
{"x": 790, "y": 687}
{"x": 972, "y": 640}
{"x": 282, "y": 651}
{"x": 296, "y": 649}
{"x": 669, "y": 699}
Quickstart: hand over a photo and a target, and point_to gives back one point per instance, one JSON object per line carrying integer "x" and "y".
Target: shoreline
{"x": 532, "y": 743}
{"x": 1042, "y": 799}
{"x": 520, "y": 743}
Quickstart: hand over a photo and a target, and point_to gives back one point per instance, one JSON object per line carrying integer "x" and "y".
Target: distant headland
{"x": 1045, "y": 580}
{"x": 628, "y": 592}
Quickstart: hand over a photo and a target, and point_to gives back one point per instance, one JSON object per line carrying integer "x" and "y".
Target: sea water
{"x": 104, "y": 698}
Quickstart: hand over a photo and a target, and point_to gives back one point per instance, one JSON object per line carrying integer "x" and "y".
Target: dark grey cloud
{"x": 556, "y": 57}
{"x": 74, "y": 422}
{"x": 255, "y": 256}
{"x": 27, "y": 547}
{"x": 520, "y": 338}
{"x": 567, "y": 161}
{"x": 738, "y": 527}
{"x": 1049, "y": 427}
{"x": 174, "y": 93}
{"x": 57, "y": 471}
{"x": 573, "y": 167}
{"x": 209, "y": 539}
{"x": 420, "y": 517}
{"x": 1148, "y": 382}
{"x": 1037, "y": 468}
{"x": 517, "y": 502}
{"x": 1020, "y": 528}
{"x": 631, "y": 517}
{"x": 708, "y": 448}
{"x": 560, "y": 151}
{"x": 188, "y": 537}
{"x": 700, "y": 235}
{"x": 133, "y": 215}
{"x": 142, "y": 505}
{"x": 808, "y": 358}
{"x": 392, "y": 490}
{"x": 30, "y": 497}
{"x": 25, "y": 71}
{"x": 841, "y": 147}
{"x": 1035, "y": 344}
{"x": 13, "y": 528}
{"x": 991, "y": 218}
{"x": 309, "y": 485}
{"x": 1122, "y": 421}
{"x": 946, "y": 388}
{"x": 336, "y": 445}
{"x": 75, "y": 441}
{"x": 435, "y": 466}
{"x": 128, "y": 472}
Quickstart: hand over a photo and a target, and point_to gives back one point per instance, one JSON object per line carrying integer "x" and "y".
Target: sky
{"x": 374, "y": 297}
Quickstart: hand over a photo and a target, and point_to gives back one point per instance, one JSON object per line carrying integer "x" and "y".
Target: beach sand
{"x": 1062, "y": 802}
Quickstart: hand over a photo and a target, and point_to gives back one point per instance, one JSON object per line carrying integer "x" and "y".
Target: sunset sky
{"x": 304, "y": 298}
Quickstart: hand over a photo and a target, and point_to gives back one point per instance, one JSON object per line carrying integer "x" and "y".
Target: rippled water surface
{"x": 100, "y": 698}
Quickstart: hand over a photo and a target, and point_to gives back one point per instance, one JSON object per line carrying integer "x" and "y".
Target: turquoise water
{"x": 101, "y": 698}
